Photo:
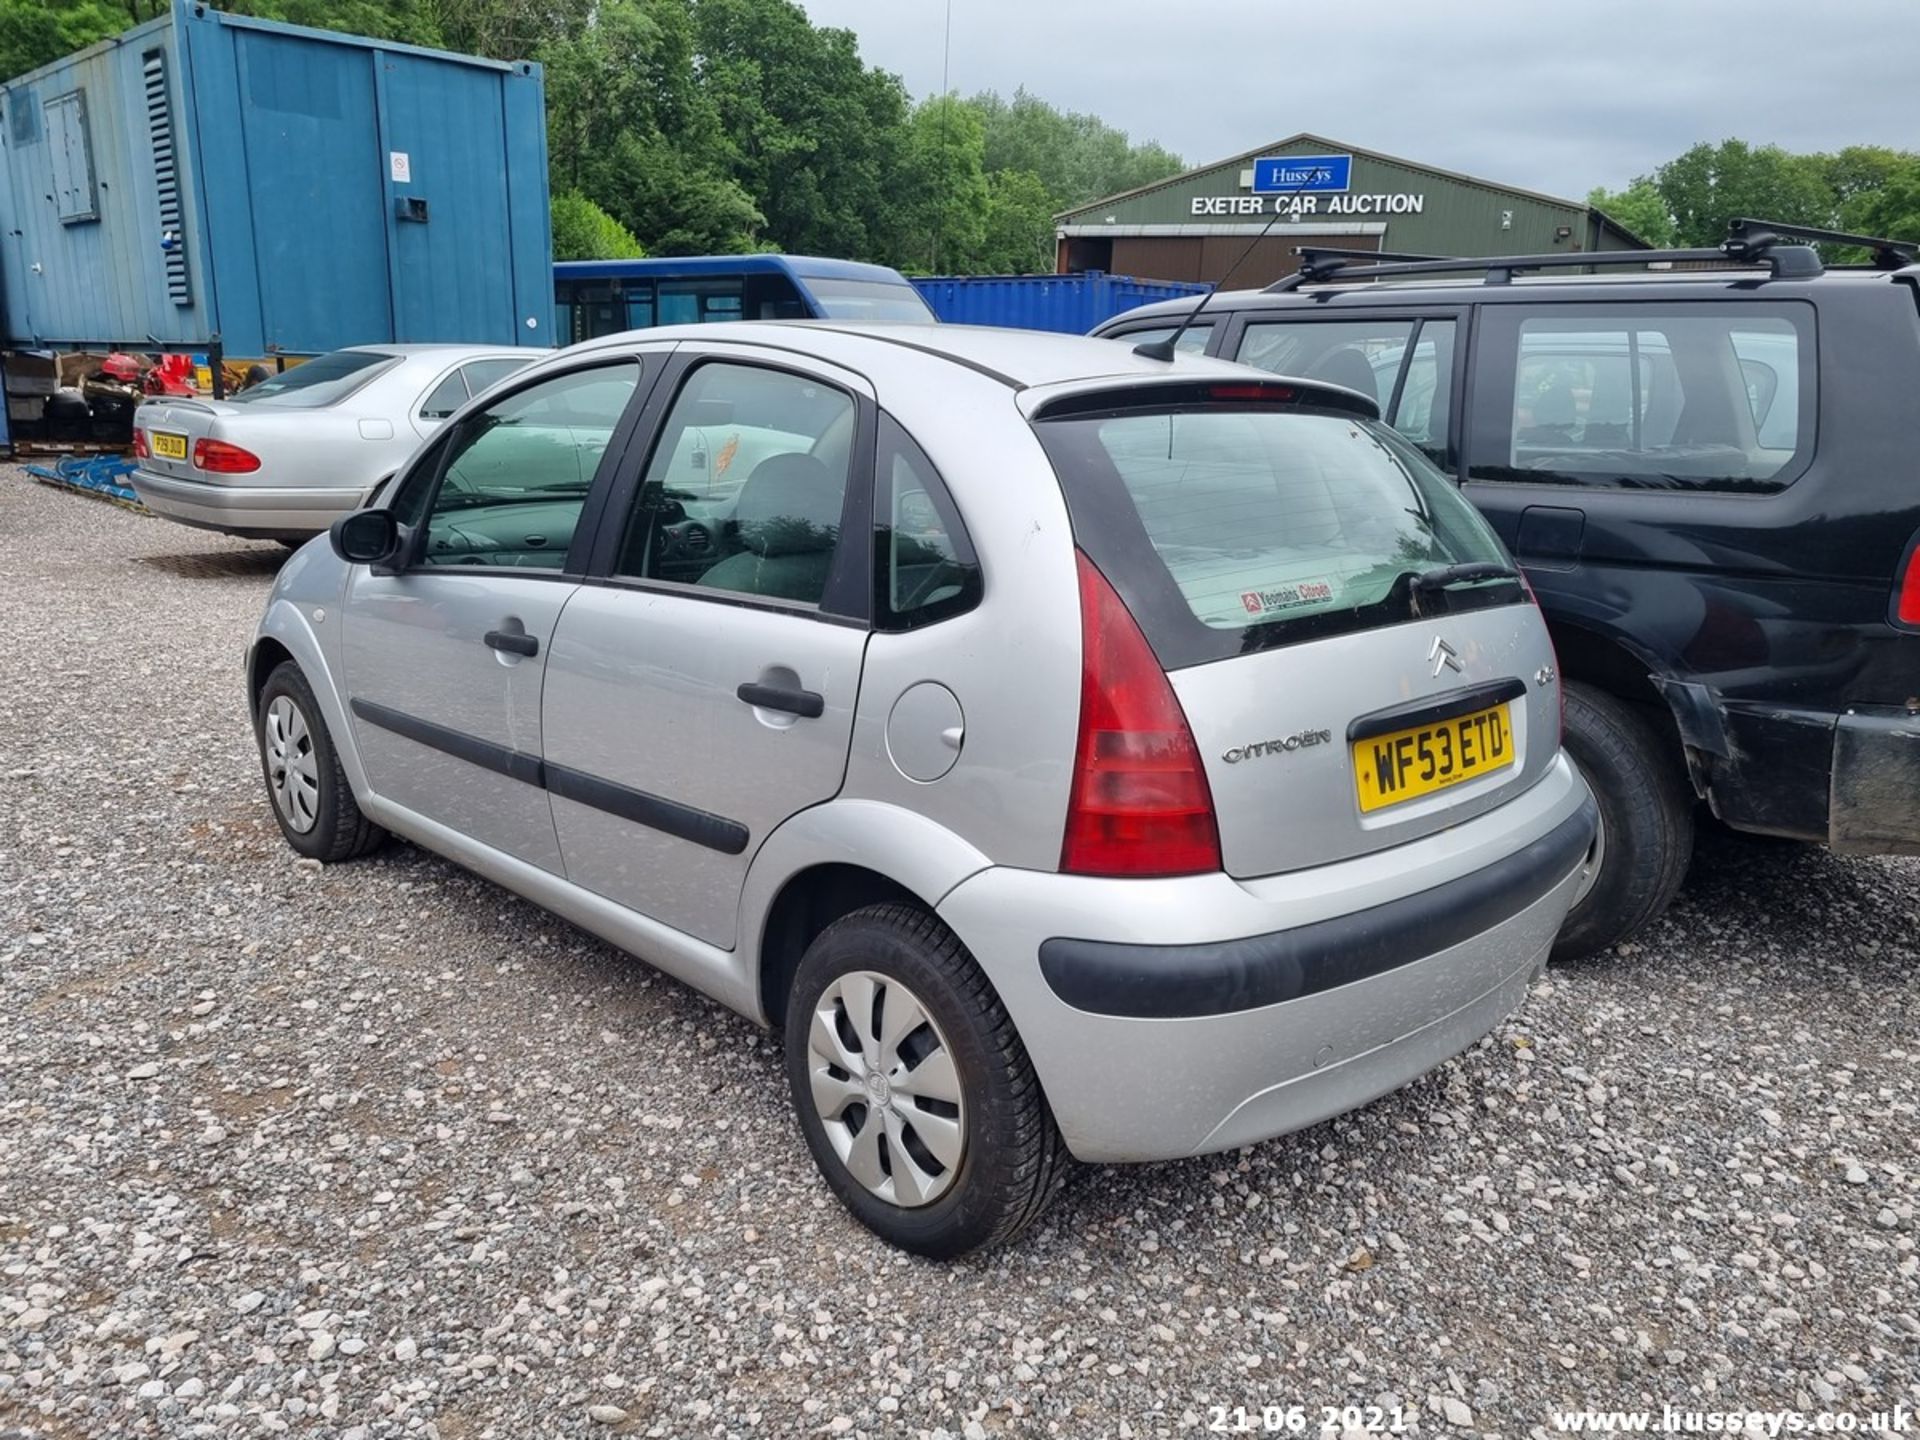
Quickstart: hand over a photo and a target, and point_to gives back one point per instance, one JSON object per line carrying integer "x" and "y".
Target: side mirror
{"x": 366, "y": 537}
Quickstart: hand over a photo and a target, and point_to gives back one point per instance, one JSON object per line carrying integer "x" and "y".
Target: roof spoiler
{"x": 1176, "y": 391}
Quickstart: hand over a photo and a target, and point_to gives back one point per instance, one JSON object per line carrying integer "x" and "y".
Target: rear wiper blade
{"x": 1443, "y": 577}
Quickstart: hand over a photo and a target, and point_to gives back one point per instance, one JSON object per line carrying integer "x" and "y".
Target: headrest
{"x": 1345, "y": 365}
{"x": 790, "y": 505}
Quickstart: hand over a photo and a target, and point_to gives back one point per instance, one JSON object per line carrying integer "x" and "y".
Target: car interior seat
{"x": 786, "y": 522}
{"x": 1345, "y": 365}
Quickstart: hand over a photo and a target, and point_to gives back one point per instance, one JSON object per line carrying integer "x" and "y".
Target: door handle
{"x": 807, "y": 704}
{"x": 514, "y": 642}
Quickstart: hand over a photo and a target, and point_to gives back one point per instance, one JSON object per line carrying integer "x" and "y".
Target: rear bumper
{"x": 1195, "y": 1015}
{"x": 1848, "y": 779}
{"x": 271, "y": 512}
{"x": 1876, "y": 782}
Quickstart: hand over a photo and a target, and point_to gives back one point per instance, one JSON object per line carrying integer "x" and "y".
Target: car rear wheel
{"x": 913, "y": 1089}
{"x": 1646, "y": 823}
{"x": 305, "y": 783}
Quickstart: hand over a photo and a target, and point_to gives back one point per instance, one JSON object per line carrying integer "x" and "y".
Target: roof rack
{"x": 1322, "y": 260}
{"x": 1763, "y": 245}
{"x": 1887, "y": 254}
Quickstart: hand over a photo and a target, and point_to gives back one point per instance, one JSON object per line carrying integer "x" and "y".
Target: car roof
{"x": 1748, "y": 282}
{"x": 450, "y": 351}
{"x": 806, "y": 267}
{"x": 1020, "y": 359}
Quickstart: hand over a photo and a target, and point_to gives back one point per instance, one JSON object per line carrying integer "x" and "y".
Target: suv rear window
{"x": 1661, "y": 397}
{"x": 1236, "y": 528}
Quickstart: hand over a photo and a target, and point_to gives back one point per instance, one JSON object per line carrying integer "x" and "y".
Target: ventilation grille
{"x": 166, "y": 177}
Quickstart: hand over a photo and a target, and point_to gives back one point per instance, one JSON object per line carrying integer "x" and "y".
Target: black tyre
{"x": 305, "y": 785}
{"x": 913, "y": 1089}
{"x": 1646, "y": 822}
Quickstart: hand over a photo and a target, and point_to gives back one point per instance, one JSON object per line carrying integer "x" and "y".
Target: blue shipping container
{"x": 1071, "y": 304}
{"x": 208, "y": 179}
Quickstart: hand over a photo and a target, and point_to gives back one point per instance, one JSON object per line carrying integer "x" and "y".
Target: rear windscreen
{"x": 317, "y": 383}
{"x": 1232, "y": 529}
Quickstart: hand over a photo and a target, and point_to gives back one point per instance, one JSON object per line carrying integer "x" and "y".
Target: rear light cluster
{"x": 221, "y": 458}
{"x": 141, "y": 450}
{"x": 1907, "y": 605}
{"x": 1140, "y": 804}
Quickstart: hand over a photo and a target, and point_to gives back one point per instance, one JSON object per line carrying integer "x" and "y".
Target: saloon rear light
{"x": 1907, "y": 605}
{"x": 221, "y": 458}
{"x": 141, "y": 450}
{"x": 1140, "y": 805}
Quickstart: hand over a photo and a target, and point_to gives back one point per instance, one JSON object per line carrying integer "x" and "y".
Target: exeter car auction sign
{"x": 1306, "y": 185}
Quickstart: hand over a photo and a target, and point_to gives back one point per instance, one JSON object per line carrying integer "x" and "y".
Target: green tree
{"x": 1640, "y": 207}
{"x": 1017, "y": 237}
{"x": 942, "y": 219}
{"x": 583, "y": 231}
{"x": 1077, "y": 157}
{"x": 36, "y": 32}
{"x": 1711, "y": 184}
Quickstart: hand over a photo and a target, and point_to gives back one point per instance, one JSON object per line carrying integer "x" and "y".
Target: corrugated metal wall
{"x": 1070, "y": 304}
{"x": 292, "y": 166}
{"x": 105, "y": 278}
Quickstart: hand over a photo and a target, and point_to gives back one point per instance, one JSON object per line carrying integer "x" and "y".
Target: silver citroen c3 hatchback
{"x": 1073, "y": 753}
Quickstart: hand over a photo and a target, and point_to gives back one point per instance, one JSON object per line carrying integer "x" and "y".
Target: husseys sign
{"x": 1306, "y": 185}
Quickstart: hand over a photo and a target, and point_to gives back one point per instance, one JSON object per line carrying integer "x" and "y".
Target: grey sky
{"x": 1553, "y": 97}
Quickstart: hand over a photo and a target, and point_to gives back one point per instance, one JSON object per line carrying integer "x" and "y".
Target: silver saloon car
{"x": 1073, "y": 754}
{"x": 286, "y": 458}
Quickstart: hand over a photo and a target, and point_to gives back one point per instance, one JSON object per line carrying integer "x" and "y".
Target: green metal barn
{"x": 1196, "y": 225}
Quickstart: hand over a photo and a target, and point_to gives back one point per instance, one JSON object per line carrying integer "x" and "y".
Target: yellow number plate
{"x": 1407, "y": 764}
{"x": 169, "y": 447}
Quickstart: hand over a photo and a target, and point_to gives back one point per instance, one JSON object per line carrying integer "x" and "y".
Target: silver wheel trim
{"x": 1596, "y": 859}
{"x": 887, "y": 1112}
{"x": 293, "y": 772}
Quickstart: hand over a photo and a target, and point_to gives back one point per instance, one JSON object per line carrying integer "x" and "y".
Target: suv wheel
{"x": 913, "y": 1089}
{"x": 311, "y": 797}
{"x": 1646, "y": 823}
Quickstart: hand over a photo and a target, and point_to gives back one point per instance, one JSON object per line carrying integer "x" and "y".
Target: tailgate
{"x": 1322, "y": 751}
{"x": 1355, "y": 654}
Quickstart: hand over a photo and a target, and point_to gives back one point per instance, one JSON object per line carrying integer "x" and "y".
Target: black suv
{"x": 1710, "y": 472}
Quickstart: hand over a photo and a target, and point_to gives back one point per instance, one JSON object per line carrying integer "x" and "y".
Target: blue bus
{"x": 604, "y": 297}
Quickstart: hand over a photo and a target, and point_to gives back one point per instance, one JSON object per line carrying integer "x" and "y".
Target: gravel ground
{"x": 380, "y": 1150}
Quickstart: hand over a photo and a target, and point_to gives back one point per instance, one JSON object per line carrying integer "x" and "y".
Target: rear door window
{"x": 1236, "y": 528}
{"x": 1664, "y": 397}
{"x": 1404, "y": 366}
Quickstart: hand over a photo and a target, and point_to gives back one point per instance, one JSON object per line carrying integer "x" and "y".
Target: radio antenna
{"x": 1166, "y": 349}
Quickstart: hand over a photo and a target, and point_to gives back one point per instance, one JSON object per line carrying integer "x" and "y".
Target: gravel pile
{"x": 379, "y": 1150}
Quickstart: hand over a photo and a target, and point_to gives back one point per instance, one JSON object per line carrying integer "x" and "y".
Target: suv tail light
{"x": 1140, "y": 804}
{"x": 1906, "y": 605}
{"x": 221, "y": 458}
{"x": 141, "y": 450}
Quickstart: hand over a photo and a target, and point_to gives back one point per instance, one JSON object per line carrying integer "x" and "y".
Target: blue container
{"x": 209, "y": 179}
{"x": 1071, "y": 304}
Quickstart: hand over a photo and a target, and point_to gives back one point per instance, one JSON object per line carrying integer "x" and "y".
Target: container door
{"x": 313, "y": 166}
{"x": 452, "y": 244}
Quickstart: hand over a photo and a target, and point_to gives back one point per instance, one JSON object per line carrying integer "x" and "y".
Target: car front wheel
{"x": 305, "y": 782}
{"x": 913, "y": 1089}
